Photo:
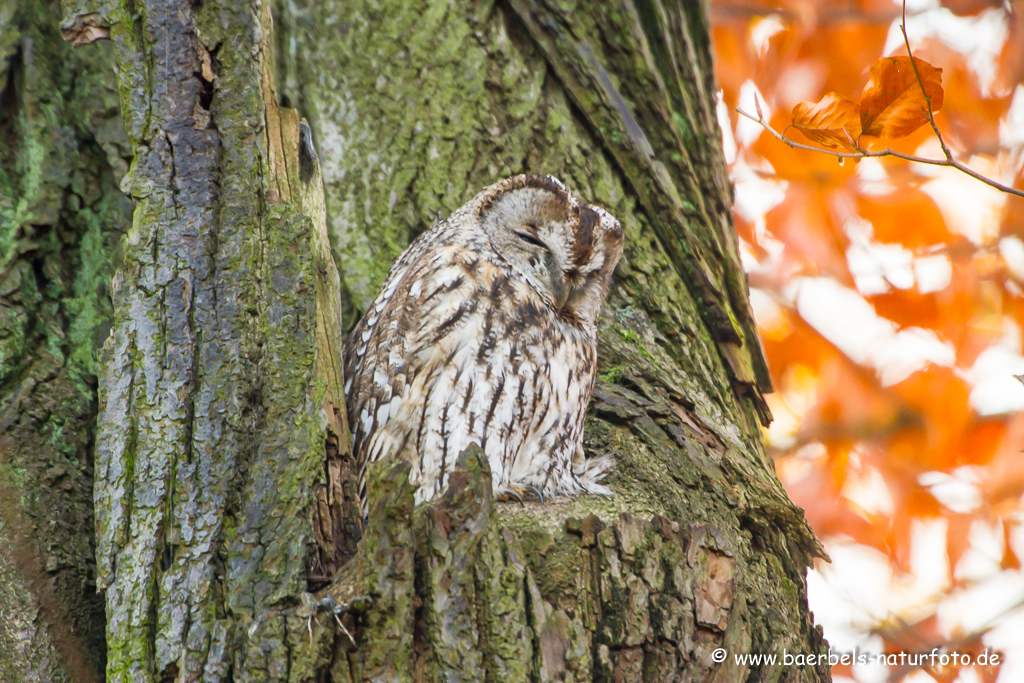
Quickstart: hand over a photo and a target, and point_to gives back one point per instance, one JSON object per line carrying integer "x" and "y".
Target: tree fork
{"x": 617, "y": 99}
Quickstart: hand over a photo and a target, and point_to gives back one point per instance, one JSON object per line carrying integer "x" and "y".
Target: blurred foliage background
{"x": 890, "y": 297}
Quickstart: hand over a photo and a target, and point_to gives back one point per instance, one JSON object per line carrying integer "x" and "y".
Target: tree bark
{"x": 62, "y": 152}
{"x": 220, "y": 386}
{"x": 418, "y": 105}
{"x": 228, "y": 543}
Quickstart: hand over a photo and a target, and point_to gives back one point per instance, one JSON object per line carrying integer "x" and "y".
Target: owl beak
{"x": 564, "y": 290}
{"x": 563, "y": 299}
{"x": 561, "y": 291}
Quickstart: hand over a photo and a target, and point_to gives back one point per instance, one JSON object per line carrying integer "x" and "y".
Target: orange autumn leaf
{"x": 958, "y": 537}
{"x": 892, "y": 104}
{"x": 1010, "y": 560}
{"x": 881, "y": 436}
{"x": 848, "y": 404}
{"x": 833, "y": 121}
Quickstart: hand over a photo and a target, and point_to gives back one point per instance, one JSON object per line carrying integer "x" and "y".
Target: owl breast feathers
{"x": 485, "y": 332}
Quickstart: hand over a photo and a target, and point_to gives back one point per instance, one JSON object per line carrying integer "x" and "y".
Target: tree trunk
{"x": 417, "y": 107}
{"x": 220, "y": 387}
{"x": 228, "y": 543}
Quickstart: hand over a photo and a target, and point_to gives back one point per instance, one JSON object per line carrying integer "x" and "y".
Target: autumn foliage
{"x": 890, "y": 297}
{"x": 894, "y": 104}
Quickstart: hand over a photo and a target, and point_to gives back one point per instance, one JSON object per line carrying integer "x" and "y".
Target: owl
{"x": 485, "y": 332}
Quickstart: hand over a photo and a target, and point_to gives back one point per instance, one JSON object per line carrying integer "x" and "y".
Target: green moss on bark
{"x": 618, "y": 102}
{"x": 61, "y": 147}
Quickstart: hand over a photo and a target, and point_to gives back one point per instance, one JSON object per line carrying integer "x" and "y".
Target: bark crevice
{"x": 224, "y": 483}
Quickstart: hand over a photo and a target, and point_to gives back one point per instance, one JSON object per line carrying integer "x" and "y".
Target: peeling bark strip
{"x": 221, "y": 379}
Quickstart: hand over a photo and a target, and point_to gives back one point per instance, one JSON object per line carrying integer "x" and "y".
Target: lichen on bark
{"x": 62, "y": 152}
{"x": 223, "y": 493}
{"x": 418, "y": 105}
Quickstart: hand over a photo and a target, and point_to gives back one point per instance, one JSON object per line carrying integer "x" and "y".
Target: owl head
{"x": 565, "y": 250}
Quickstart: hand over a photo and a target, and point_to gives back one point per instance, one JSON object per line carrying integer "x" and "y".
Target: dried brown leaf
{"x": 892, "y": 104}
{"x": 833, "y": 121}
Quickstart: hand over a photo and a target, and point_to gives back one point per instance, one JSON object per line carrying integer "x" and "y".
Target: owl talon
{"x": 520, "y": 494}
{"x": 509, "y": 494}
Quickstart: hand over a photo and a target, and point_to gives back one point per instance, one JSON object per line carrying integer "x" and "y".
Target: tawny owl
{"x": 485, "y": 332}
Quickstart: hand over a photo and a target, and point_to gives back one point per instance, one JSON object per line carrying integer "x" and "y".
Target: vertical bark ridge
{"x": 222, "y": 381}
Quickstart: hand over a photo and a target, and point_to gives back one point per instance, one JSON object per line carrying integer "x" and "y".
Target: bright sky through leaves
{"x": 891, "y": 302}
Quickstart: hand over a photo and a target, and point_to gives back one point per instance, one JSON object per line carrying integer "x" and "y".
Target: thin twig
{"x": 949, "y": 161}
{"x": 920, "y": 84}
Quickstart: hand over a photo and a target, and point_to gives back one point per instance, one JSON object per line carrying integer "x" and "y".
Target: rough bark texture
{"x": 223, "y": 481}
{"x": 221, "y": 378}
{"x": 416, "y": 105}
{"x": 62, "y": 151}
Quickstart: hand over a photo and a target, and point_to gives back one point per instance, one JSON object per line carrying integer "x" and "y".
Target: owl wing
{"x": 405, "y": 357}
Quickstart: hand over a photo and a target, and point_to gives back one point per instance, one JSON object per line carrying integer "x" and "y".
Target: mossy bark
{"x": 62, "y": 151}
{"x": 417, "y": 105}
{"x": 223, "y": 498}
{"x": 220, "y": 388}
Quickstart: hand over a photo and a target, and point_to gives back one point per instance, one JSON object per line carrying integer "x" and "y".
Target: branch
{"x": 949, "y": 161}
{"x": 927, "y": 98}
{"x": 887, "y": 152}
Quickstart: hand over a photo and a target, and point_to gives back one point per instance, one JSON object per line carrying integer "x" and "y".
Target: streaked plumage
{"x": 485, "y": 331}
